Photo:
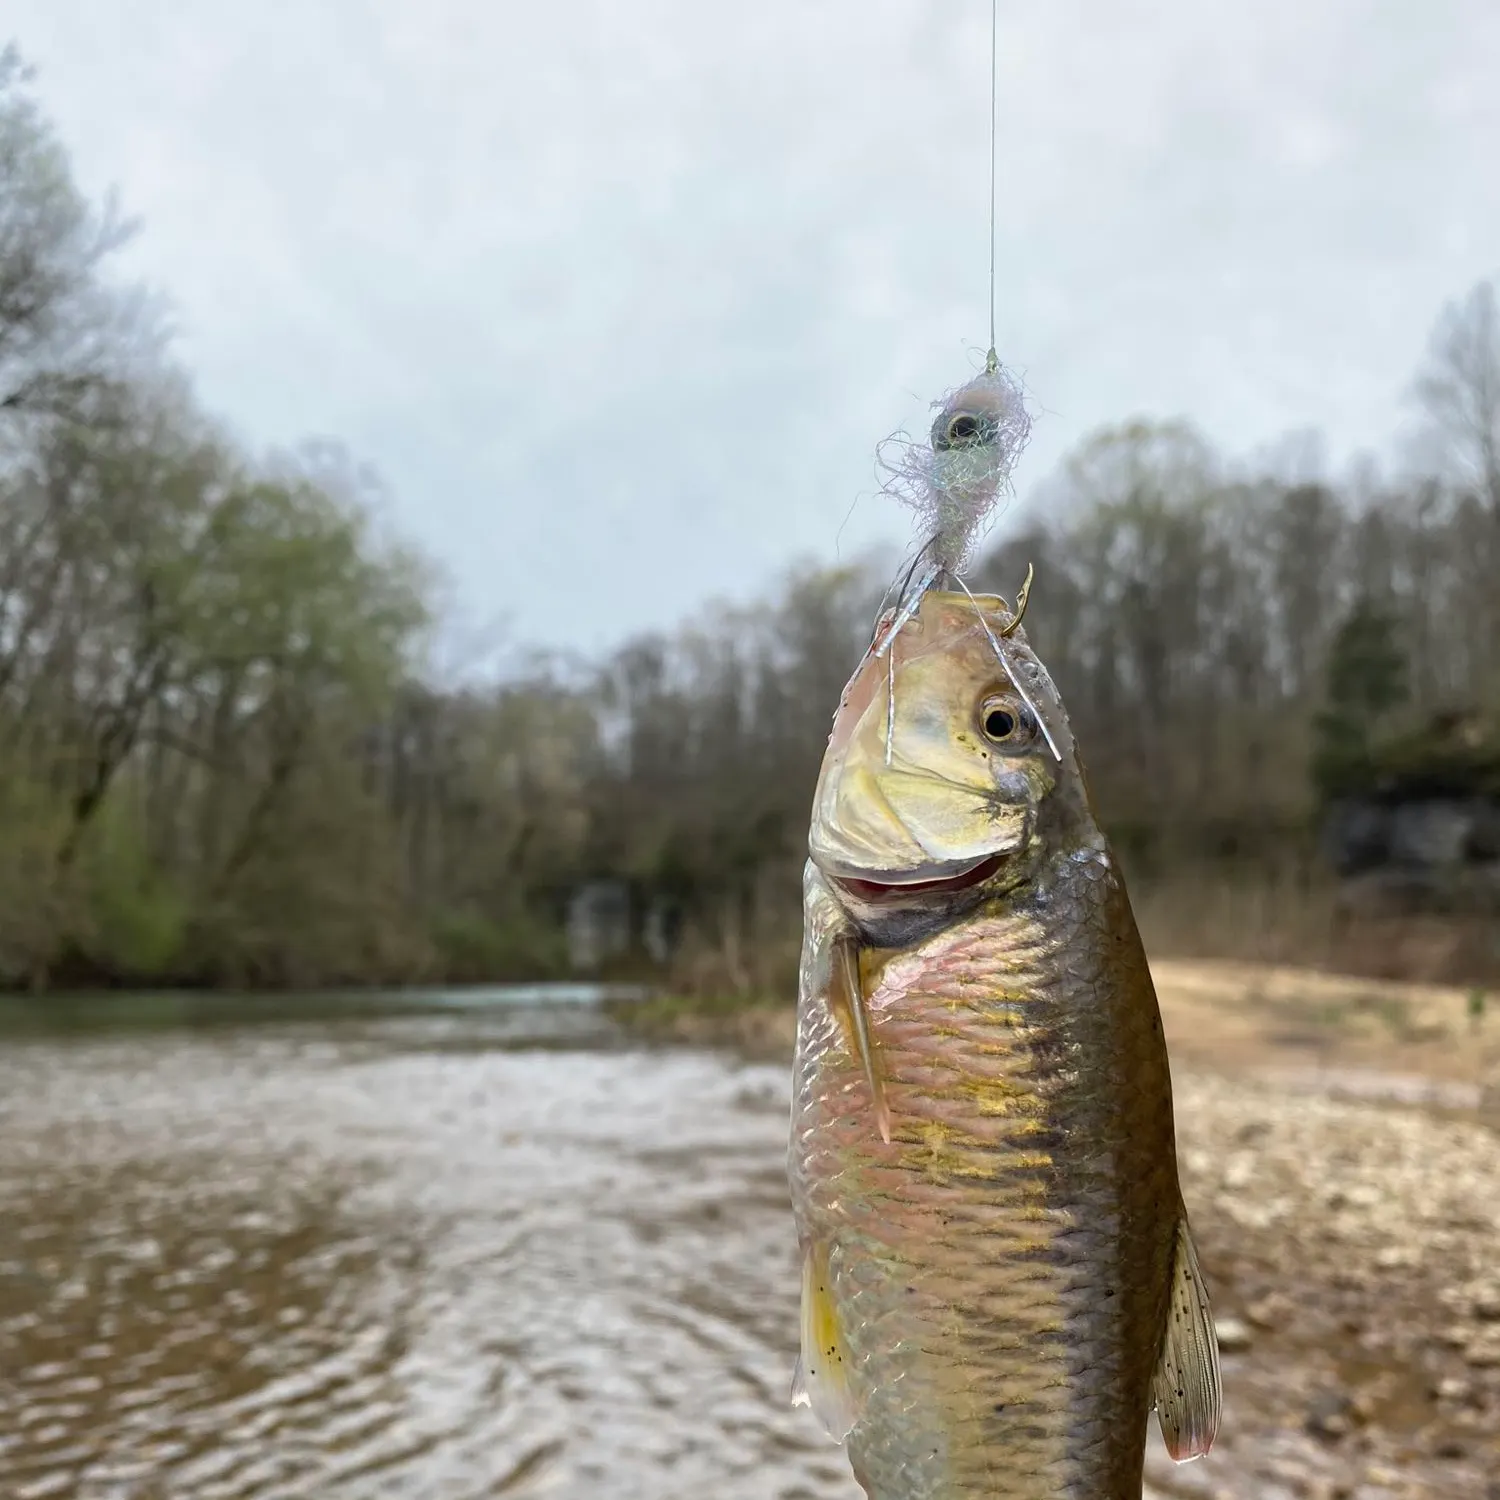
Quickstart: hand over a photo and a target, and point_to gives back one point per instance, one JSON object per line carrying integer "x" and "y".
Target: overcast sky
{"x": 619, "y": 295}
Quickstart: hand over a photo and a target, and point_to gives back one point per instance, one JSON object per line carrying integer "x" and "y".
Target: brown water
{"x": 446, "y": 1255}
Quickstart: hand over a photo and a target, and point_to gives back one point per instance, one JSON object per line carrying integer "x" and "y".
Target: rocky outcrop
{"x": 1432, "y": 854}
{"x": 1416, "y": 825}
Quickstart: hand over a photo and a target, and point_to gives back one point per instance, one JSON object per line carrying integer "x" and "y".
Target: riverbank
{"x": 1349, "y": 1243}
{"x": 1343, "y": 1175}
{"x": 1341, "y": 1164}
{"x": 762, "y": 1028}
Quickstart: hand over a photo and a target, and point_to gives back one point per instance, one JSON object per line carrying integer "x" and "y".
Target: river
{"x": 351, "y": 1252}
{"x": 468, "y": 1245}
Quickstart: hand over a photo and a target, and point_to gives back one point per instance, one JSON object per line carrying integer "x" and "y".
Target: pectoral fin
{"x": 1187, "y": 1390}
{"x": 821, "y": 1380}
{"x": 847, "y": 998}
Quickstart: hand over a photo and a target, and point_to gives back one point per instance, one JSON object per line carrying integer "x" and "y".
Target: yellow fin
{"x": 1187, "y": 1388}
{"x": 846, "y": 989}
{"x": 821, "y": 1380}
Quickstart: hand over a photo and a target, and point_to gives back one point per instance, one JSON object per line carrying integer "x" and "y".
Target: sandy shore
{"x": 1342, "y": 1168}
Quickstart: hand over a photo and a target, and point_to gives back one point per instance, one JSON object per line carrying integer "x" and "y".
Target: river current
{"x": 464, "y": 1252}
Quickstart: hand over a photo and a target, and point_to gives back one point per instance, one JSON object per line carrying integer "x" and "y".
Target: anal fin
{"x": 821, "y": 1379}
{"x": 1187, "y": 1388}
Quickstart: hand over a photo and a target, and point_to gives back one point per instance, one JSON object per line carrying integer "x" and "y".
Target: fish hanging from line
{"x": 999, "y": 1282}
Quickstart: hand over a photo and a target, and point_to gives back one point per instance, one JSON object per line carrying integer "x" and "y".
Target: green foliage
{"x": 37, "y": 901}
{"x": 471, "y": 947}
{"x": 1367, "y": 679}
{"x": 135, "y": 919}
{"x": 1449, "y": 755}
{"x": 284, "y": 580}
{"x": 1366, "y": 667}
{"x": 311, "y": 890}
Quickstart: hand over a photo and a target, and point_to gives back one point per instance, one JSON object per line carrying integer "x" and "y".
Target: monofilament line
{"x": 992, "y": 359}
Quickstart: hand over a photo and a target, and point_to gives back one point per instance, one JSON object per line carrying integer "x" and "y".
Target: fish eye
{"x": 1004, "y": 722}
{"x": 963, "y": 428}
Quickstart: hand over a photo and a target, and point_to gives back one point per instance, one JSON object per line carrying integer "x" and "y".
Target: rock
{"x": 1436, "y": 832}
{"x": 1482, "y": 1351}
{"x": 1234, "y": 1335}
{"x": 1325, "y": 1489}
{"x": 1192, "y": 1481}
{"x": 1328, "y": 1416}
{"x": 1239, "y": 1169}
{"x": 1452, "y": 1388}
{"x": 1272, "y": 1311}
{"x": 1356, "y": 835}
{"x": 1489, "y": 1099}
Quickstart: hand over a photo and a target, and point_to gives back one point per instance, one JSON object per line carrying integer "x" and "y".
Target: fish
{"x": 999, "y": 1280}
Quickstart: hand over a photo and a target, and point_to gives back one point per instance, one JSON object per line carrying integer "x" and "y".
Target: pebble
{"x": 1328, "y": 1416}
{"x": 1482, "y": 1352}
{"x": 1234, "y": 1335}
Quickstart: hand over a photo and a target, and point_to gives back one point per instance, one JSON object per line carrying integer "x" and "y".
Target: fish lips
{"x": 875, "y": 887}
{"x": 908, "y": 837}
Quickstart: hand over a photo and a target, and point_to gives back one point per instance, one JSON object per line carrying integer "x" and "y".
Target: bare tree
{"x": 226, "y": 755}
{"x": 62, "y": 328}
{"x": 1459, "y": 389}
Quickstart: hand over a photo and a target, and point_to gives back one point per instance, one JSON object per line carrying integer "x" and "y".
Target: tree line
{"x": 225, "y": 759}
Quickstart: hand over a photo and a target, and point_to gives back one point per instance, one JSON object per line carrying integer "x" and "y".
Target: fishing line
{"x": 953, "y": 481}
{"x": 992, "y": 360}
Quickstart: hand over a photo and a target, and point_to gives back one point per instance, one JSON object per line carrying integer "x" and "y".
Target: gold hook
{"x": 1021, "y": 600}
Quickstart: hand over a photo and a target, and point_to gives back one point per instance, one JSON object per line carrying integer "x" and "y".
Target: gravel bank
{"x": 1350, "y": 1248}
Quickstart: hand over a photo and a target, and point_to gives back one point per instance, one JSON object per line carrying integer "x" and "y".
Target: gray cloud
{"x": 619, "y": 297}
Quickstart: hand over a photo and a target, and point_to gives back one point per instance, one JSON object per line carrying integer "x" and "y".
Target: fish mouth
{"x": 900, "y": 886}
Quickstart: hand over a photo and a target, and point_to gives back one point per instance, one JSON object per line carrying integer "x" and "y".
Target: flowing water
{"x": 444, "y": 1252}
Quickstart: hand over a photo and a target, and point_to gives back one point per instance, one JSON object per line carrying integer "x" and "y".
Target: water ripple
{"x": 395, "y": 1259}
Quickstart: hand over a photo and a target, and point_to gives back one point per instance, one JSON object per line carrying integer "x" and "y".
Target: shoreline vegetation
{"x": 228, "y": 757}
